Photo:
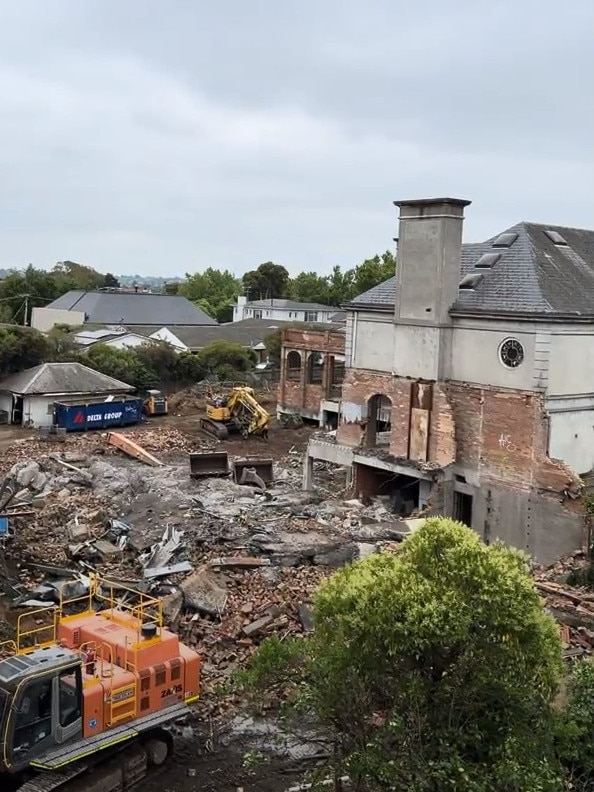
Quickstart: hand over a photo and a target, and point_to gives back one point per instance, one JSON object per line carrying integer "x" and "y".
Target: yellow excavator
{"x": 238, "y": 411}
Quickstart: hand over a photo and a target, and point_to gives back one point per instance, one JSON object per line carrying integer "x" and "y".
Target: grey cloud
{"x": 145, "y": 136}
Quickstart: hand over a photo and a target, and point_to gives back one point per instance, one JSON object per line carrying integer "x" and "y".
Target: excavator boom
{"x": 239, "y": 411}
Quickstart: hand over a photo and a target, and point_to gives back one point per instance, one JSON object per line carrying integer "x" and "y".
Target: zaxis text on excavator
{"x": 84, "y": 699}
{"x": 239, "y": 411}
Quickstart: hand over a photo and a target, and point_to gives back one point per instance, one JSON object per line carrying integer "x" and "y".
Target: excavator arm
{"x": 248, "y": 411}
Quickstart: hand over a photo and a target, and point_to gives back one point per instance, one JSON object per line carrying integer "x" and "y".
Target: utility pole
{"x": 26, "y": 310}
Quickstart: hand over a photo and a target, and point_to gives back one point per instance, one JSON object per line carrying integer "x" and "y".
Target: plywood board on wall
{"x": 419, "y": 434}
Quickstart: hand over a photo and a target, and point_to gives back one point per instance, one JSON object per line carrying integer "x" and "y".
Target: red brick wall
{"x": 360, "y": 386}
{"x": 299, "y": 394}
{"x": 500, "y": 433}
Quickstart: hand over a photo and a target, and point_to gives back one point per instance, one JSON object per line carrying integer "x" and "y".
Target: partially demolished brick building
{"x": 469, "y": 380}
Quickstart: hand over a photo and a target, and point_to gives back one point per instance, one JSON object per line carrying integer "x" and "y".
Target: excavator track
{"x": 118, "y": 772}
{"x": 214, "y": 429}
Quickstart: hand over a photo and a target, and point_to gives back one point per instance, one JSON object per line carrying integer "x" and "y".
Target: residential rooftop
{"x": 530, "y": 270}
{"x": 61, "y": 379}
{"x": 103, "y": 307}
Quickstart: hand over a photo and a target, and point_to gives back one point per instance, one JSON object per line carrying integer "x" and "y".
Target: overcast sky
{"x": 153, "y": 137}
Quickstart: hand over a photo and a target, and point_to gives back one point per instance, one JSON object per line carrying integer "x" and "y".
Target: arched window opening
{"x": 294, "y": 365}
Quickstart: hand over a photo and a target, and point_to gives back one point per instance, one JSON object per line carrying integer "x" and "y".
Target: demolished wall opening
{"x": 337, "y": 371}
{"x": 401, "y": 491}
{"x": 315, "y": 368}
{"x": 293, "y": 366}
{"x": 463, "y": 508}
{"x": 379, "y": 421}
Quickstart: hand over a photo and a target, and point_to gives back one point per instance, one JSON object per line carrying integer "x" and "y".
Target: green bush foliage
{"x": 433, "y": 668}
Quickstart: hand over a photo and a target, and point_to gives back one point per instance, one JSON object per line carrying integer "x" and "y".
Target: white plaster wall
{"x": 571, "y": 438}
{"x": 372, "y": 342}
{"x": 43, "y": 319}
{"x": 126, "y": 341}
{"x": 36, "y": 410}
{"x": 475, "y": 355}
{"x": 571, "y": 364}
{"x": 165, "y": 334}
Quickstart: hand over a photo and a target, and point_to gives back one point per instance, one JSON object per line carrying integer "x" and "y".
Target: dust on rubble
{"x": 234, "y": 564}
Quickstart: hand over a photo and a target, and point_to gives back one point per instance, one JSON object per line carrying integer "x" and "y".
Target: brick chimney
{"x": 428, "y": 277}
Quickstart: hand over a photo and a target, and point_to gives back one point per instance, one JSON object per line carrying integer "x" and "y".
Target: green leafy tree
{"x": 213, "y": 290}
{"x": 71, "y": 275}
{"x": 123, "y": 364}
{"x": 433, "y": 668}
{"x": 110, "y": 281}
{"x": 373, "y": 271}
{"x": 310, "y": 287}
{"x": 61, "y": 344}
{"x": 575, "y": 727}
{"x": 21, "y": 348}
{"x": 159, "y": 357}
{"x": 273, "y": 343}
{"x": 226, "y": 360}
{"x": 340, "y": 286}
{"x": 22, "y": 291}
{"x": 269, "y": 281}
{"x": 188, "y": 369}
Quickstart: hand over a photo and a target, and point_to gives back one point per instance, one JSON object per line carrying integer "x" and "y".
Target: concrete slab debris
{"x": 204, "y": 592}
{"x": 174, "y": 569}
{"x": 239, "y": 562}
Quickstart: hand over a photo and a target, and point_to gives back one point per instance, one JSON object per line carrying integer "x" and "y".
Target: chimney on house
{"x": 427, "y": 277}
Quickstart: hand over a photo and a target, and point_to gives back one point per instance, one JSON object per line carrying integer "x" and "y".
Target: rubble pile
{"x": 189, "y": 401}
{"x": 571, "y": 606}
{"x": 233, "y": 563}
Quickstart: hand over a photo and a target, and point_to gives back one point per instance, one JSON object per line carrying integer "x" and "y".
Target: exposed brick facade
{"x": 296, "y": 391}
{"x": 500, "y": 434}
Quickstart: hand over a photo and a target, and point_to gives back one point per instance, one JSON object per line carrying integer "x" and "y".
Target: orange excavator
{"x": 85, "y": 695}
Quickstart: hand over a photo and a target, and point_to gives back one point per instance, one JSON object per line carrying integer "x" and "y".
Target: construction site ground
{"x": 254, "y": 559}
{"x": 234, "y": 564}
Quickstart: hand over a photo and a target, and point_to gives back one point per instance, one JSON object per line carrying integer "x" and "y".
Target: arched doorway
{"x": 379, "y": 421}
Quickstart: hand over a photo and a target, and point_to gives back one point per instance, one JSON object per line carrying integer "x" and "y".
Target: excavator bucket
{"x": 204, "y": 464}
{"x": 253, "y": 470}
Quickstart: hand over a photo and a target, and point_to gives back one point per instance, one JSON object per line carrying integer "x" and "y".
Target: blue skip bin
{"x": 101, "y": 415}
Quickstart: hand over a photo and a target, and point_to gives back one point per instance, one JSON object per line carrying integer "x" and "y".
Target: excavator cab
{"x": 41, "y": 705}
{"x": 239, "y": 411}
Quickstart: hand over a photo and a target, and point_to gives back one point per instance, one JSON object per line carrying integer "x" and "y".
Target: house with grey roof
{"x": 29, "y": 396}
{"x": 78, "y": 308}
{"x": 469, "y": 382}
{"x": 282, "y": 310}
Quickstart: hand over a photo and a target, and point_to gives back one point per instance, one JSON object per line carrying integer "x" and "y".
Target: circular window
{"x": 511, "y": 353}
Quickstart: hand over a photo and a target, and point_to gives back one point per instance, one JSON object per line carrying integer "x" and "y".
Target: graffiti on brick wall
{"x": 505, "y": 442}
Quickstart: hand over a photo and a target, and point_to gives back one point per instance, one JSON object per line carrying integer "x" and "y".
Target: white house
{"x": 282, "y": 310}
{"x": 116, "y": 337}
{"x": 29, "y": 396}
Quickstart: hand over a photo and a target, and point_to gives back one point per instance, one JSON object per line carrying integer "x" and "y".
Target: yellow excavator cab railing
{"x": 145, "y": 611}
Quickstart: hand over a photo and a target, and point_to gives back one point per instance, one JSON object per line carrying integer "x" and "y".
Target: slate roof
{"x": 132, "y": 309}
{"x": 289, "y": 305}
{"x": 248, "y": 332}
{"x": 533, "y": 276}
{"x": 62, "y": 378}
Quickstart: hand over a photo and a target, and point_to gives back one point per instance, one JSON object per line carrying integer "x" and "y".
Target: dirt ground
{"x": 196, "y": 765}
{"x": 224, "y": 770}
